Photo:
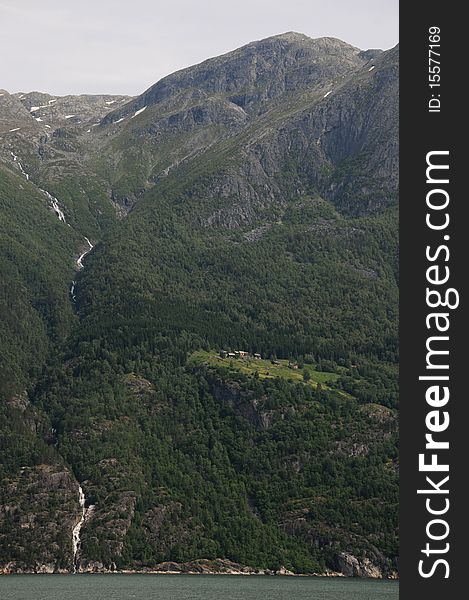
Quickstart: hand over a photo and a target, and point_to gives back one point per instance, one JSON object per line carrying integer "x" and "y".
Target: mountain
{"x": 247, "y": 203}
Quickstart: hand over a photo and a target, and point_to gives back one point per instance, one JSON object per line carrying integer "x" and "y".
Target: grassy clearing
{"x": 265, "y": 368}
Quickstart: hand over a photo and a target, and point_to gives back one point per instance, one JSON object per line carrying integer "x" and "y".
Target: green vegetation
{"x": 265, "y": 369}
{"x": 187, "y": 456}
{"x": 221, "y": 461}
{"x": 228, "y": 463}
{"x": 35, "y": 271}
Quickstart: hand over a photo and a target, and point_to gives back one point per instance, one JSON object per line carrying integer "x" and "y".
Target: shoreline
{"x": 199, "y": 566}
{"x": 328, "y": 575}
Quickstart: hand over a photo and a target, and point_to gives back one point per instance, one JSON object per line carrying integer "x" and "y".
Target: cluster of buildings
{"x": 243, "y": 355}
{"x": 239, "y": 354}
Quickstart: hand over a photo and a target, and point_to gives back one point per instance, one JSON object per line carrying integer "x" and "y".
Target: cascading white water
{"x": 15, "y": 159}
{"x": 61, "y": 216}
{"x": 82, "y": 256}
{"x": 80, "y": 266}
{"x": 52, "y": 199}
{"x": 55, "y": 205}
{"x": 76, "y": 532}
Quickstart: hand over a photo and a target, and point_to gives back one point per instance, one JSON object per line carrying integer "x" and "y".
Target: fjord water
{"x": 191, "y": 587}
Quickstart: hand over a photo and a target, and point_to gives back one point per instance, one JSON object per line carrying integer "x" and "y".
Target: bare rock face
{"x": 37, "y": 513}
{"x": 350, "y": 566}
{"x": 13, "y": 113}
{"x": 250, "y": 408}
{"x": 266, "y": 106}
{"x": 106, "y": 529}
{"x": 48, "y": 112}
{"x": 255, "y": 74}
{"x": 38, "y": 494}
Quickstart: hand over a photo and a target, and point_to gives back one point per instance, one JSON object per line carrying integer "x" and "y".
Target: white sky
{"x": 124, "y": 46}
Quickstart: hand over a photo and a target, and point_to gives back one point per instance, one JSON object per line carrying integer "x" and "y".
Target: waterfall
{"x": 55, "y": 205}
{"x": 90, "y": 247}
{"x": 52, "y": 199}
{"x": 80, "y": 266}
{"x": 15, "y": 159}
{"x": 85, "y": 515}
{"x": 76, "y": 542}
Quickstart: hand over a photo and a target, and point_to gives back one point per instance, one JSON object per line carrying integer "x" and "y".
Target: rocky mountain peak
{"x": 255, "y": 74}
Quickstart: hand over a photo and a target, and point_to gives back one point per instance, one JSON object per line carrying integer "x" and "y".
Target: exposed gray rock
{"x": 350, "y": 566}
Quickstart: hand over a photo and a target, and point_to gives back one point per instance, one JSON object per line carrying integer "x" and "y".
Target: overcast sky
{"x": 124, "y": 46}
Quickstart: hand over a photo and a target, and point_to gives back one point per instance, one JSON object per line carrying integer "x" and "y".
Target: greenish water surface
{"x": 191, "y": 587}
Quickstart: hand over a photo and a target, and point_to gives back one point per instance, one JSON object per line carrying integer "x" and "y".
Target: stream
{"x": 54, "y": 203}
{"x": 80, "y": 266}
{"x": 86, "y": 512}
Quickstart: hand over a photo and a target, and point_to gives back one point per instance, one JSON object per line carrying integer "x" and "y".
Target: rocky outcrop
{"x": 205, "y": 567}
{"x": 56, "y": 111}
{"x": 350, "y": 566}
{"x": 256, "y": 74}
{"x": 364, "y": 561}
{"x": 232, "y": 394}
{"x": 106, "y": 529}
{"x": 202, "y": 566}
{"x": 38, "y": 510}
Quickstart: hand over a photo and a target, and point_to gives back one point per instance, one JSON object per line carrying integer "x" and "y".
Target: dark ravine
{"x": 249, "y": 202}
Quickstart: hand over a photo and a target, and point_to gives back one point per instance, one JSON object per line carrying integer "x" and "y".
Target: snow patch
{"x": 110, "y": 102}
{"x": 327, "y": 94}
{"x": 119, "y": 120}
{"x": 138, "y": 112}
{"x": 371, "y": 68}
{"x": 38, "y": 119}
{"x": 69, "y": 116}
{"x": 15, "y": 129}
{"x": 35, "y": 108}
